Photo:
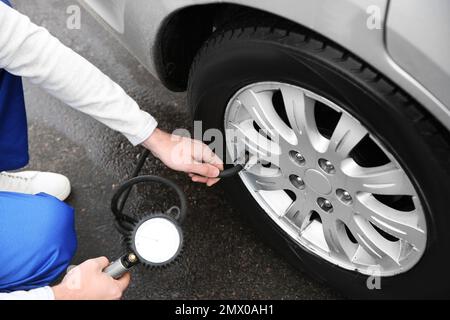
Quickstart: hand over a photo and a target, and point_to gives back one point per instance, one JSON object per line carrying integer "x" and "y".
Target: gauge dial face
{"x": 157, "y": 240}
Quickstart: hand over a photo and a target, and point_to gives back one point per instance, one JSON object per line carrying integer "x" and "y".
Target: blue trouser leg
{"x": 37, "y": 240}
{"x": 13, "y": 123}
{"x": 37, "y": 236}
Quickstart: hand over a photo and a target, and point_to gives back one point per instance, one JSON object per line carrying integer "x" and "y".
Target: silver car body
{"x": 411, "y": 47}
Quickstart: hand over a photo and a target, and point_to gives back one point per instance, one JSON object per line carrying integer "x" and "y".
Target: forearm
{"x": 44, "y": 293}
{"x": 32, "y": 52}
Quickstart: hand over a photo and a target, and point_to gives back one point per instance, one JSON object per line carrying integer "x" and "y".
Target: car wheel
{"x": 349, "y": 178}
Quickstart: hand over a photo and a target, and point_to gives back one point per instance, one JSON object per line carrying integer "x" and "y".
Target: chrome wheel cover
{"x": 363, "y": 218}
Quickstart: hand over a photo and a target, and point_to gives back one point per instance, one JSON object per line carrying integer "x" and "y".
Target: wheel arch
{"x": 186, "y": 28}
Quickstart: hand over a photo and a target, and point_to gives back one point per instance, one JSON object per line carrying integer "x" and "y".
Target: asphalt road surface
{"x": 223, "y": 258}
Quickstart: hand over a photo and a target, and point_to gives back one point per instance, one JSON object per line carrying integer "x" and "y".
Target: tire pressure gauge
{"x": 156, "y": 241}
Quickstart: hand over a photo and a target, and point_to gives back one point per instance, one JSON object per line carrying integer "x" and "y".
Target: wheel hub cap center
{"x": 317, "y": 181}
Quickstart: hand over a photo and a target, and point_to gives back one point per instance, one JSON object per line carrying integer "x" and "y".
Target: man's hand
{"x": 185, "y": 154}
{"x": 88, "y": 282}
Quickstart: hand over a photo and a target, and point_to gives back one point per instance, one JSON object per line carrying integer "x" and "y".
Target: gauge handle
{"x": 120, "y": 266}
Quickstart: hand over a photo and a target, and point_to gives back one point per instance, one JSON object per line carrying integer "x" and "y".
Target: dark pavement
{"x": 224, "y": 258}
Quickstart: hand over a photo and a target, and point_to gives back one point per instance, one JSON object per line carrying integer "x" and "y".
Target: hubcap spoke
{"x": 372, "y": 242}
{"x": 256, "y": 143}
{"x": 402, "y": 225}
{"x": 261, "y": 109}
{"x": 385, "y": 180}
{"x": 300, "y": 112}
{"x": 267, "y": 179}
{"x": 347, "y": 134}
{"x": 332, "y": 232}
{"x": 298, "y": 214}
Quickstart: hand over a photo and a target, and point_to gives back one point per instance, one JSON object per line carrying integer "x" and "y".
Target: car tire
{"x": 261, "y": 49}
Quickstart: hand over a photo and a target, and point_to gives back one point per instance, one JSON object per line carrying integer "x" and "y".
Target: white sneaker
{"x": 34, "y": 182}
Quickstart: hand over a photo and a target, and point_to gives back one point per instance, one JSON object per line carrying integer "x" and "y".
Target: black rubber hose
{"x": 137, "y": 169}
{"x": 127, "y": 185}
{"x": 231, "y": 172}
{"x": 121, "y": 195}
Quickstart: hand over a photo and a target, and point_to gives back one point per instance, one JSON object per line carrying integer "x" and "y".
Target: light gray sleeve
{"x": 30, "y": 51}
{"x": 44, "y": 293}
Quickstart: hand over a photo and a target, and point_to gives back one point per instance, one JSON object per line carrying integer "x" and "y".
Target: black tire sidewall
{"x": 231, "y": 65}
